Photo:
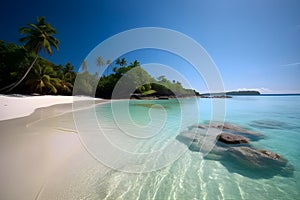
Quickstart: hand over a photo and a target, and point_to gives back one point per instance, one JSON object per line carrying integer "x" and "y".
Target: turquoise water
{"x": 187, "y": 175}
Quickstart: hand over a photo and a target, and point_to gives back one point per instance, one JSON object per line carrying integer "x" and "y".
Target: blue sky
{"x": 255, "y": 44}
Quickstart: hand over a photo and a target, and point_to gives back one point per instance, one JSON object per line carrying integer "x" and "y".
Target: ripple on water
{"x": 269, "y": 124}
{"x": 191, "y": 177}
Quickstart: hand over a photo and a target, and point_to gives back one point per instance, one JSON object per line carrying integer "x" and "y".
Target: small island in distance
{"x": 245, "y": 92}
{"x": 233, "y": 93}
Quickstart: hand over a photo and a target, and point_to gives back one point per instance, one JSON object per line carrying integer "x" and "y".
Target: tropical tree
{"x": 65, "y": 86}
{"x": 86, "y": 84}
{"x": 13, "y": 60}
{"x": 135, "y": 63}
{"x": 38, "y": 36}
{"x": 68, "y": 72}
{"x": 84, "y": 66}
{"x": 118, "y": 61}
{"x": 43, "y": 79}
{"x": 122, "y": 62}
{"x": 100, "y": 63}
{"x": 108, "y": 62}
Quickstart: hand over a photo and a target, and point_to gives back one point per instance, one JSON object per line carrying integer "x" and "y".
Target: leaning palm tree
{"x": 38, "y": 36}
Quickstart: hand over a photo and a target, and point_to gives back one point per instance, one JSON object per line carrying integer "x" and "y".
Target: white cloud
{"x": 291, "y": 64}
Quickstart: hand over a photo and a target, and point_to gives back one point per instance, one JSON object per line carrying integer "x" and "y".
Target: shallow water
{"x": 126, "y": 138}
{"x": 191, "y": 176}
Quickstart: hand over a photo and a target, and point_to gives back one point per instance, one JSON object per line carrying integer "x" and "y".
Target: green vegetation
{"x": 134, "y": 76}
{"x": 43, "y": 77}
{"x": 24, "y": 71}
{"x": 148, "y": 92}
{"x": 37, "y": 37}
{"x": 23, "y": 63}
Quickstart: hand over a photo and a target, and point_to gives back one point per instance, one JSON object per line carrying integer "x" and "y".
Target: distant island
{"x": 246, "y": 92}
{"x": 232, "y": 93}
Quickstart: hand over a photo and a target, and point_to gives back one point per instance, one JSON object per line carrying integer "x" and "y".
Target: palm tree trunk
{"x": 24, "y": 76}
{"x": 6, "y": 87}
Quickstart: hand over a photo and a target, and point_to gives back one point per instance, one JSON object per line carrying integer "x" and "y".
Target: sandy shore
{"x": 41, "y": 155}
{"x": 20, "y": 106}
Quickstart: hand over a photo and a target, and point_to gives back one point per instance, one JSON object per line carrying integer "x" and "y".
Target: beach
{"x": 15, "y": 106}
{"x": 32, "y": 153}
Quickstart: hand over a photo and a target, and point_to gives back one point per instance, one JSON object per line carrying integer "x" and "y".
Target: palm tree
{"x": 38, "y": 36}
{"x": 135, "y": 63}
{"x": 100, "y": 63}
{"x": 84, "y": 66}
{"x": 118, "y": 61}
{"x": 44, "y": 78}
{"x": 65, "y": 85}
{"x": 123, "y": 62}
{"x": 68, "y": 72}
{"x": 108, "y": 62}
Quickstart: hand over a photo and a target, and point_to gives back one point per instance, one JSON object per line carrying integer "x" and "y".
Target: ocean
{"x": 148, "y": 162}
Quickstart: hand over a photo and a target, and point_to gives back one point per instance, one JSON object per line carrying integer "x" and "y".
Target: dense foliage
{"x": 44, "y": 77}
{"x": 24, "y": 71}
{"x": 133, "y": 79}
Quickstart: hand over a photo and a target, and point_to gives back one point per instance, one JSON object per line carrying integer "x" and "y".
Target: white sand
{"x": 43, "y": 160}
{"x": 19, "y": 106}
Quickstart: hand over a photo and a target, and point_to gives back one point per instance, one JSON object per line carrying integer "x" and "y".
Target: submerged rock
{"x": 230, "y": 144}
{"x": 228, "y": 128}
{"x": 256, "y": 158}
{"x": 232, "y": 139}
{"x": 234, "y": 129}
{"x": 200, "y": 140}
{"x": 201, "y": 126}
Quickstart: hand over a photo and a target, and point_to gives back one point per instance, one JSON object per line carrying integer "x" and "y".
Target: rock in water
{"x": 256, "y": 158}
{"x": 234, "y": 129}
{"x": 201, "y": 140}
{"x": 270, "y": 154}
{"x": 232, "y": 139}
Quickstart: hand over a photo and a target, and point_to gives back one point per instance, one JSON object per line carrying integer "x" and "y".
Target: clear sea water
{"x": 191, "y": 176}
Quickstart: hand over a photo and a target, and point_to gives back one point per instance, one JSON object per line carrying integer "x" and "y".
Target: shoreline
{"x": 13, "y": 107}
{"x": 42, "y": 148}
